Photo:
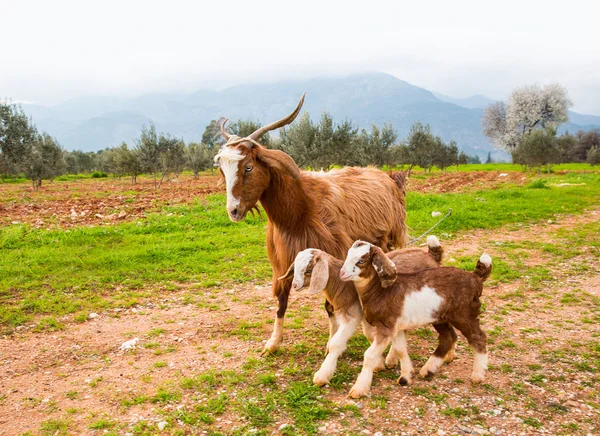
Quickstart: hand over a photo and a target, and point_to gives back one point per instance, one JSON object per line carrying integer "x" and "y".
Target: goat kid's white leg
{"x": 399, "y": 351}
{"x": 480, "y": 364}
{"x": 333, "y": 328}
{"x": 276, "y": 337}
{"x": 336, "y": 346}
{"x": 373, "y": 356}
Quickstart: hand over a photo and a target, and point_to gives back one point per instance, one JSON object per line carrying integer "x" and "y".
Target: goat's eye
{"x": 248, "y": 168}
{"x": 308, "y": 271}
{"x": 361, "y": 262}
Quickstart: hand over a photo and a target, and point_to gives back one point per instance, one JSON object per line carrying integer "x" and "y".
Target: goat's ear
{"x": 220, "y": 182}
{"x": 288, "y": 274}
{"x": 275, "y": 159}
{"x": 319, "y": 277}
{"x": 385, "y": 268}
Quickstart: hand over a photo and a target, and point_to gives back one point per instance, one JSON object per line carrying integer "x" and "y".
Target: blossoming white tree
{"x": 528, "y": 108}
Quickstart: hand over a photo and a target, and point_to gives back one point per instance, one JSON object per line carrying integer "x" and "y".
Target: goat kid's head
{"x": 310, "y": 268}
{"x": 363, "y": 261}
{"x": 244, "y": 163}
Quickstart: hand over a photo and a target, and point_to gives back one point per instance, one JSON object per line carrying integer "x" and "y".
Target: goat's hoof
{"x": 319, "y": 381}
{"x": 379, "y": 368}
{"x": 270, "y": 347}
{"x": 357, "y": 392}
{"x": 449, "y": 357}
{"x": 391, "y": 363}
{"x": 477, "y": 378}
{"x": 403, "y": 381}
{"x": 426, "y": 374}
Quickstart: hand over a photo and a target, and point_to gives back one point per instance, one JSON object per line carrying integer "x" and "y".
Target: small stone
{"x": 93, "y": 315}
{"x": 161, "y": 425}
{"x": 436, "y": 213}
{"x": 503, "y": 175}
{"x": 378, "y": 433}
{"x": 359, "y": 405}
{"x": 455, "y": 390}
{"x": 550, "y": 221}
{"x": 322, "y": 429}
{"x": 366, "y": 431}
{"x": 441, "y": 432}
{"x": 129, "y": 345}
{"x": 87, "y": 381}
{"x": 282, "y": 426}
{"x": 122, "y": 214}
{"x": 572, "y": 404}
{"x": 99, "y": 216}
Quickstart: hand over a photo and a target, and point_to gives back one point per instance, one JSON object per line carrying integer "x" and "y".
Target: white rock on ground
{"x": 93, "y": 315}
{"x": 436, "y": 213}
{"x": 161, "y": 425}
{"x": 129, "y": 345}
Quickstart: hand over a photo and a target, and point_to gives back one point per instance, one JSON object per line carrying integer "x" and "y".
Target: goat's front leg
{"x": 373, "y": 357}
{"x": 277, "y": 336}
{"x": 399, "y": 352}
{"x": 336, "y": 346}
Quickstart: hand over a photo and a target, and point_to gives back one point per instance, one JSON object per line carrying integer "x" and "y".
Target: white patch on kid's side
{"x": 229, "y": 160}
{"x": 419, "y": 308}
{"x": 354, "y": 255}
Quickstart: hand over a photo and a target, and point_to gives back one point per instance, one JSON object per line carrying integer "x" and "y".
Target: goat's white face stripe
{"x": 354, "y": 255}
{"x": 229, "y": 160}
{"x": 302, "y": 260}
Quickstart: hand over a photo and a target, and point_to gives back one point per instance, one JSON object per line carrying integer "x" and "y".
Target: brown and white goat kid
{"x": 394, "y": 302}
{"x": 325, "y": 210}
{"x": 319, "y": 271}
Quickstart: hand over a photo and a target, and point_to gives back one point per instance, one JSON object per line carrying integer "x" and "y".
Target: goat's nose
{"x": 234, "y": 212}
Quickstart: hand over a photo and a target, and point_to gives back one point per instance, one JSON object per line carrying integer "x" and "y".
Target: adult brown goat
{"x": 306, "y": 209}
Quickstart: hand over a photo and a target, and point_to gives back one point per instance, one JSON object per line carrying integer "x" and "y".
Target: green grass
{"x": 62, "y": 272}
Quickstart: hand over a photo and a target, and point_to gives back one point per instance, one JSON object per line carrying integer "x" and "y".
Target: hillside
{"x": 93, "y": 123}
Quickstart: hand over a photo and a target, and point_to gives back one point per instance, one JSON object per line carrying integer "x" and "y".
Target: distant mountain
{"x": 473, "y": 102}
{"x": 93, "y": 123}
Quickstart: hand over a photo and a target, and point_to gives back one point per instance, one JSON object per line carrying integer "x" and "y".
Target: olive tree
{"x": 16, "y": 135}
{"x": 43, "y": 160}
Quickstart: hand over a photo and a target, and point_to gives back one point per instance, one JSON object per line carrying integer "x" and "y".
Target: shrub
{"x": 99, "y": 174}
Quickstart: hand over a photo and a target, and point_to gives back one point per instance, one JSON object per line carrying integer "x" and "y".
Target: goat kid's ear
{"x": 289, "y": 273}
{"x": 319, "y": 277}
{"x": 385, "y": 268}
{"x": 220, "y": 182}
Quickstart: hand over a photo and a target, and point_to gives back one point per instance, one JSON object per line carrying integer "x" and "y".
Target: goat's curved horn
{"x": 223, "y": 132}
{"x": 277, "y": 124}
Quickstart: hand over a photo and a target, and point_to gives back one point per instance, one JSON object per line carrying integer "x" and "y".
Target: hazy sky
{"x": 55, "y": 50}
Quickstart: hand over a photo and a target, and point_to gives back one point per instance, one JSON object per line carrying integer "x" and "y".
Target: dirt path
{"x": 542, "y": 327}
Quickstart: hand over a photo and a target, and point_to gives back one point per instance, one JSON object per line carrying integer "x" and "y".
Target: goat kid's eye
{"x": 361, "y": 262}
{"x": 308, "y": 271}
{"x": 248, "y": 168}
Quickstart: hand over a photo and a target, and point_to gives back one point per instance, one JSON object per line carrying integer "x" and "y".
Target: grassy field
{"x": 182, "y": 268}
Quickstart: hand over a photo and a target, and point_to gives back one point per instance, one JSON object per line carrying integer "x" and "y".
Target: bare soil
{"x": 92, "y": 202}
{"x": 39, "y": 370}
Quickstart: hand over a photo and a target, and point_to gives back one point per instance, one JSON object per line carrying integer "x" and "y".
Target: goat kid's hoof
{"x": 450, "y": 356}
{"x": 426, "y": 374}
{"x": 321, "y": 379}
{"x": 477, "y": 378}
{"x": 357, "y": 392}
{"x": 403, "y": 381}
{"x": 391, "y": 363}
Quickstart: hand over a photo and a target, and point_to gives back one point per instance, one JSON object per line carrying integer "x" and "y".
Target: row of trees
{"x": 325, "y": 144}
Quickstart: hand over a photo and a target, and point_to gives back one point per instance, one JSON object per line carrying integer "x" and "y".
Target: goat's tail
{"x": 484, "y": 267}
{"x": 435, "y": 249}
